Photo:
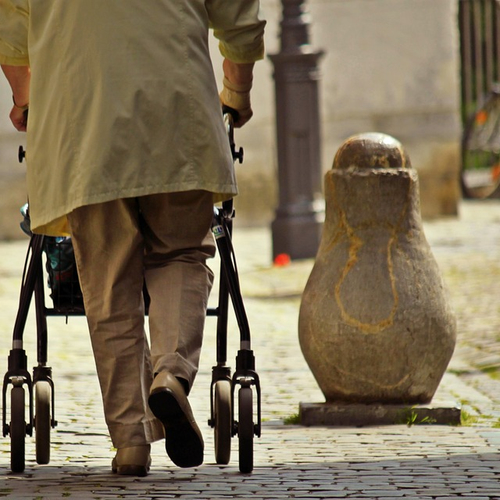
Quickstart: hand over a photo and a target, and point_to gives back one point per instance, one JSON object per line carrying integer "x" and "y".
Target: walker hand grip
{"x": 226, "y": 110}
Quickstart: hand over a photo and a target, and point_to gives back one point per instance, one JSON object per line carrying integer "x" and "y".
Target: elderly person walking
{"x": 127, "y": 154}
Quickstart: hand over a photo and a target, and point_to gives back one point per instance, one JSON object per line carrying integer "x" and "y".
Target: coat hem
{"x": 57, "y": 225}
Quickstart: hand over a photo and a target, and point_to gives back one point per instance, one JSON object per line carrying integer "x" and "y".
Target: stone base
{"x": 359, "y": 415}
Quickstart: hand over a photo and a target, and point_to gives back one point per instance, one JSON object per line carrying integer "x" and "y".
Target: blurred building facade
{"x": 390, "y": 66}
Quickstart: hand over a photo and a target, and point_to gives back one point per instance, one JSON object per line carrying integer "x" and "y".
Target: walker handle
{"x": 226, "y": 110}
{"x": 230, "y": 116}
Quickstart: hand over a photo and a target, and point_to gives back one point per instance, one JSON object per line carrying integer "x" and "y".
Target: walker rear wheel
{"x": 223, "y": 421}
{"x": 17, "y": 429}
{"x": 42, "y": 421}
{"x": 245, "y": 429}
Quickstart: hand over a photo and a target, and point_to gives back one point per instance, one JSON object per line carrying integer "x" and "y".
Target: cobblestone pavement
{"x": 291, "y": 461}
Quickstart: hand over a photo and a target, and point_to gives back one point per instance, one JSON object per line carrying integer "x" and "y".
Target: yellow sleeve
{"x": 239, "y": 27}
{"x": 14, "y": 21}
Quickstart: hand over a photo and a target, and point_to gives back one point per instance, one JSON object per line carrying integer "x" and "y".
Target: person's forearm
{"x": 237, "y": 72}
{"x": 19, "y": 81}
{"x": 236, "y": 91}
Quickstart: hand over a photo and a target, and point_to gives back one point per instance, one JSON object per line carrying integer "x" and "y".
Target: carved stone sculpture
{"x": 375, "y": 324}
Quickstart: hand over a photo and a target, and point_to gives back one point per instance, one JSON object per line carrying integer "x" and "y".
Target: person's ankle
{"x": 184, "y": 383}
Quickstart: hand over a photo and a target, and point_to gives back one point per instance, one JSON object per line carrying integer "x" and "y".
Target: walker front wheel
{"x": 42, "y": 421}
{"x": 223, "y": 421}
{"x": 17, "y": 429}
{"x": 245, "y": 429}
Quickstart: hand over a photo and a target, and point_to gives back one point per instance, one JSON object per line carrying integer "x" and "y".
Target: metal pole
{"x": 296, "y": 229}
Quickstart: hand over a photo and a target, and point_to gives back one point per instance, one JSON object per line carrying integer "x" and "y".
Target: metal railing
{"x": 479, "y": 22}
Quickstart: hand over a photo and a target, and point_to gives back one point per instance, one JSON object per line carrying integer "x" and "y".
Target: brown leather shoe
{"x": 132, "y": 461}
{"x": 169, "y": 403}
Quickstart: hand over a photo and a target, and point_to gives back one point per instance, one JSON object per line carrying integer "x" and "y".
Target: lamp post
{"x": 296, "y": 229}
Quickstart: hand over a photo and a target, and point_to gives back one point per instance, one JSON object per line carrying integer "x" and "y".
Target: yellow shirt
{"x": 123, "y": 100}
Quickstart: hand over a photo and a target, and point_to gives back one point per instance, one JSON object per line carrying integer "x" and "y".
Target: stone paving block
{"x": 472, "y": 497}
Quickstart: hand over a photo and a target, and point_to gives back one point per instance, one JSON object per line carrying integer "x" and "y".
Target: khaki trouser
{"x": 165, "y": 240}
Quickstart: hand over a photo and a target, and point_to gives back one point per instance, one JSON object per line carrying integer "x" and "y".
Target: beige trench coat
{"x": 136, "y": 76}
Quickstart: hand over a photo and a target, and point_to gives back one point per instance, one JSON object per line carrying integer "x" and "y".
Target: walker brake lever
{"x": 21, "y": 154}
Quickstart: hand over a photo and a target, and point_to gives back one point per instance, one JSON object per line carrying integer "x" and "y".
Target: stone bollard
{"x": 375, "y": 325}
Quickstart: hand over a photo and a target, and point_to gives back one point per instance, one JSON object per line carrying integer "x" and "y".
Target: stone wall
{"x": 393, "y": 67}
{"x": 390, "y": 66}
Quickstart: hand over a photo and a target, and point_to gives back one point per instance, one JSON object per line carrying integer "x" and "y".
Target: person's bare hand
{"x": 237, "y": 97}
{"x": 19, "y": 78}
{"x": 19, "y": 118}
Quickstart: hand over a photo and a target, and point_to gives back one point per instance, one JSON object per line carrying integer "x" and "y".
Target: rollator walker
{"x": 235, "y": 398}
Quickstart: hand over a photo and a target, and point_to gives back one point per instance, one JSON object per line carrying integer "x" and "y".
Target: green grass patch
{"x": 466, "y": 419}
{"x": 410, "y": 418}
{"x": 492, "y": 371}
{"x": 292, "y": 419}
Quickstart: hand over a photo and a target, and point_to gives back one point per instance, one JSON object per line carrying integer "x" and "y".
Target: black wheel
{"x": 480, "y": 175}
{"x": 245, "y": 429}
{"x": 42, "y": 421}
{"x": 223, "y": 421}
{"x": 17, "y": 429}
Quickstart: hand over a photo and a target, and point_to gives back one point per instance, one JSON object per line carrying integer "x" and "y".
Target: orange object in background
{"x": 282, "y": 259}
{"x": 495, "y": 172}
{"x": 481, "y": 117}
